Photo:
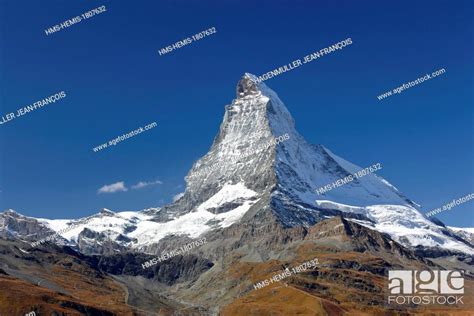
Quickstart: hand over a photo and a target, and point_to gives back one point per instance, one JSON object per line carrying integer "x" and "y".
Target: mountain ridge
{"x": 281, "y": 177}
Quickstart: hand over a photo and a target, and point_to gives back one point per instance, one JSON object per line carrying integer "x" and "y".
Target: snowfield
{"x": 146, "y": 231}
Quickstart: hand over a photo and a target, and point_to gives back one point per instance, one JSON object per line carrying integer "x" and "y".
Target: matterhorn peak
{"x": 248, "y": 85}
{"x": 259, "y": 166}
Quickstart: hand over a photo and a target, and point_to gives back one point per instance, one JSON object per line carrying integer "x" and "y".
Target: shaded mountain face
{"x": 14, "y": 225}
{"x": 52, "y": 280}
{"x": 258, "y": 169}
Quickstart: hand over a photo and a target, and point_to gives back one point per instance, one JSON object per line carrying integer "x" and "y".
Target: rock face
{"x": 91, "y": 242}
{"x": 14, "y": 225}
{"x": 181, "y": 268}
{"x": 338, "y": 229}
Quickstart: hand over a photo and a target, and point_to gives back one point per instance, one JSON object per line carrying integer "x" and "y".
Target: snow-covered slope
{"x": 468, "y": 230}
{"x": 404, "y": 224}
{"x": 141, "y": 230}
{"x": 465, "y": 233}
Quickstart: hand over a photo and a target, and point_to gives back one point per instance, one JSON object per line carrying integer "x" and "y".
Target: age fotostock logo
{"x": 425, "y": 287}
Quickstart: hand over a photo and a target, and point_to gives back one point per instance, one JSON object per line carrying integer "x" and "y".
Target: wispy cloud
{"x": 143, "y": 184}
{"x": 178, "y": 196}
{"x": 120, "y": 186}
{"x": 112, "y": 188}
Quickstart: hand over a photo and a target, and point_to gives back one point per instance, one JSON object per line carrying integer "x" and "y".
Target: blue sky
{"x": 116, "y": 81}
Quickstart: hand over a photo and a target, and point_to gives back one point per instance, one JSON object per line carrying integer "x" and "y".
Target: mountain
{"x": 256, "y": 198}
{"x": 465, "y": 233}
{"x": 248, "y": 175}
